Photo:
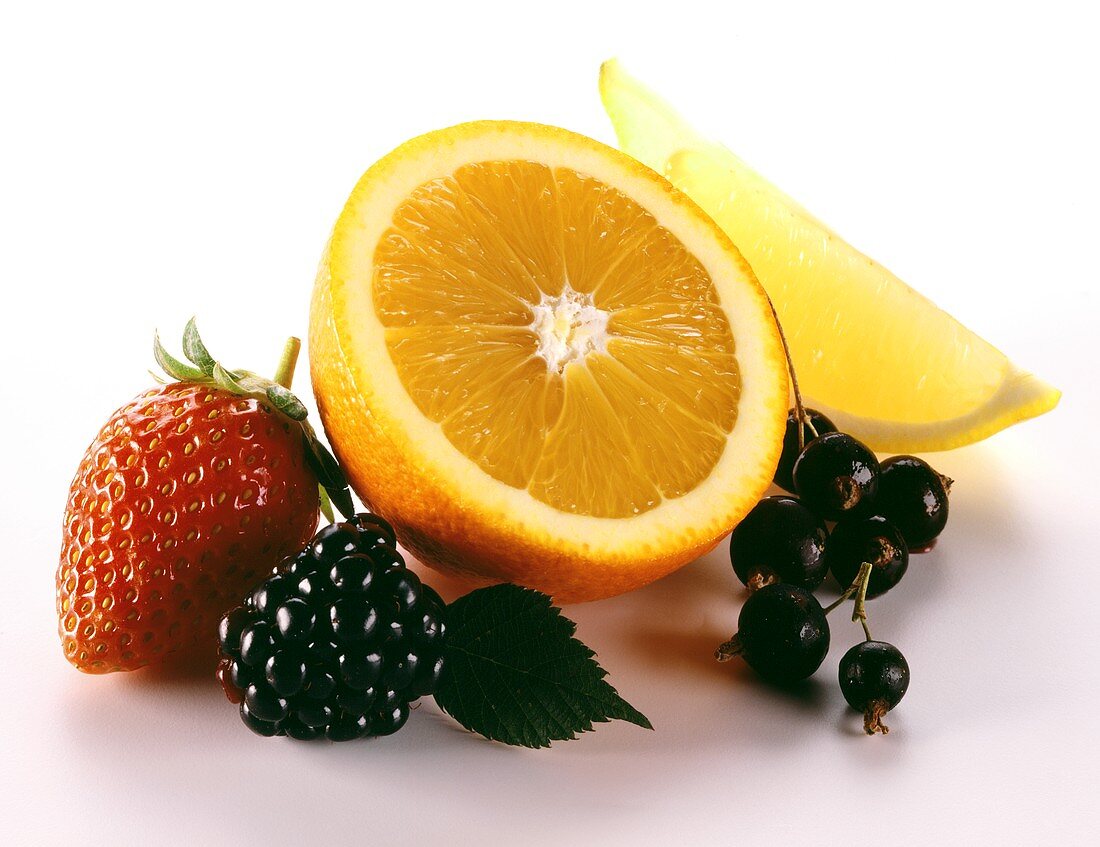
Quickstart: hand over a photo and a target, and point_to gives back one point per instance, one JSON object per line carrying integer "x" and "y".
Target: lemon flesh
{"x": 873, "y": 354}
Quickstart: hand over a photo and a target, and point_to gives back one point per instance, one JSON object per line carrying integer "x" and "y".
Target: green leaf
{"x": 341, "y": 498}
{"x": 195, "y": 350}
{"x": 284, "y": 401}
{"x": 516, "y": 674}
{"x": 172, "y": 366}
{"x": 328, "y": 471}
{"x": 326, "y": 504}
{"x": 227, "y": 380}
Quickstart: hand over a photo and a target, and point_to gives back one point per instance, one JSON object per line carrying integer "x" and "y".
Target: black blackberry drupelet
{"x": 338, "y": 642}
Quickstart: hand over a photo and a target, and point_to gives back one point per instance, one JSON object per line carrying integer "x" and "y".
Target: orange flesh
{"x": 564, "y": 341}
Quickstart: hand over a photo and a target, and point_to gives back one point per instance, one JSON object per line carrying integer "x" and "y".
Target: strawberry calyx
{"x": 202, "y": 368}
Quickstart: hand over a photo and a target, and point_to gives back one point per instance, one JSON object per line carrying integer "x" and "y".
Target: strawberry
{"x": 188, "y": 496}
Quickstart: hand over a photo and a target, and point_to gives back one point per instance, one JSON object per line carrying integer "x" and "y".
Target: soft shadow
{"x": 984, "y": 506}
{"x": 850, "y": 723}
{"x": 676, "y": 648}
{"x": 183, "y": 668}
{"x": 808, "y": 695}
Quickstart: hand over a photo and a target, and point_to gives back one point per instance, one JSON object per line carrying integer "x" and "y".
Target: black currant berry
{"x": 875, "y": 540}
{"x": 818, "y": 425}
{"x": 781, "y": 632}
{"x": 913, "y": 497}
{"x": 874, "y": 677}
{"x": 337, "y": 643}
{"x": 837, "y": 476}
{"x": 780, "y": 540}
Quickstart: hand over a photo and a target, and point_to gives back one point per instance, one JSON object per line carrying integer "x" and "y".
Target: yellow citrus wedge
{"x": 542, "y": 363}
{"x": 878, "y": 358}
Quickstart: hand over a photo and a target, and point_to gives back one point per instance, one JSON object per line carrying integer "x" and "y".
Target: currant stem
{"x": 859, "y": 610}
{"x": 284, "y": 374}
{"x": 860, "y": 581}
{"x": 728, "y": 649}
{"x": 799, "y": 409}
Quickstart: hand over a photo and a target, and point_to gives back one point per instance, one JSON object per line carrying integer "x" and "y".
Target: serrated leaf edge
{"x": 528, "y": 735}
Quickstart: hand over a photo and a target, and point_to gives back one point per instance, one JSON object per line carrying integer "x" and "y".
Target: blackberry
{"x": 338, "y": 642}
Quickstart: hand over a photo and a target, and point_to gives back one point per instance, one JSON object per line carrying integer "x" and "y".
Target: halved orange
{"x": 542, "y": 363}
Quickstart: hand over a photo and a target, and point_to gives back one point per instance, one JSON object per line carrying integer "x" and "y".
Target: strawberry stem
{"x": 284, "y": 374}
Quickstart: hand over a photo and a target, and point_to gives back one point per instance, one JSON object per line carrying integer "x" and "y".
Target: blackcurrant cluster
{"x": 878, "y": 513}
{"x": 338, "y": 642}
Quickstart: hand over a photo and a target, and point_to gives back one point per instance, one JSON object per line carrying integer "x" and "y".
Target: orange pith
{"x": 597, "y": 435}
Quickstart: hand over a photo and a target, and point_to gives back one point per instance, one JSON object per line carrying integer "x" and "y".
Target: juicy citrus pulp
{"x": 878, "y": 358}
{"x": 492, "y": 351}
{"x": 541, "y": 362}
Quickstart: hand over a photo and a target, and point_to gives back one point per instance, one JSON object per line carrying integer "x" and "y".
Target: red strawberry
{"x": 188, "y": 496}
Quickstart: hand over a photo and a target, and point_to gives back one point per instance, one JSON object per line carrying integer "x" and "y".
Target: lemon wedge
{"x": 883, "y": 361}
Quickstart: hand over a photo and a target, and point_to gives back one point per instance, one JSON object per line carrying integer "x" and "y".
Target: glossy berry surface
{"x": 782, "y": 633}
{"x": 836, "y": 476}
{"x": 337, "y": 644}
{"x": 819, "y": 425}
{"x": 874, "y": 676}
{"x": 913, "y": 497}
{"x": 183, "y": 500}
{"x": 374, "y": 528}
{"x": 780, "y": 540}
{"x": 873, "y": 540}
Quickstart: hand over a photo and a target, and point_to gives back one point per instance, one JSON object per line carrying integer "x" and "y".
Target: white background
{"x": 158, "y": 162}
